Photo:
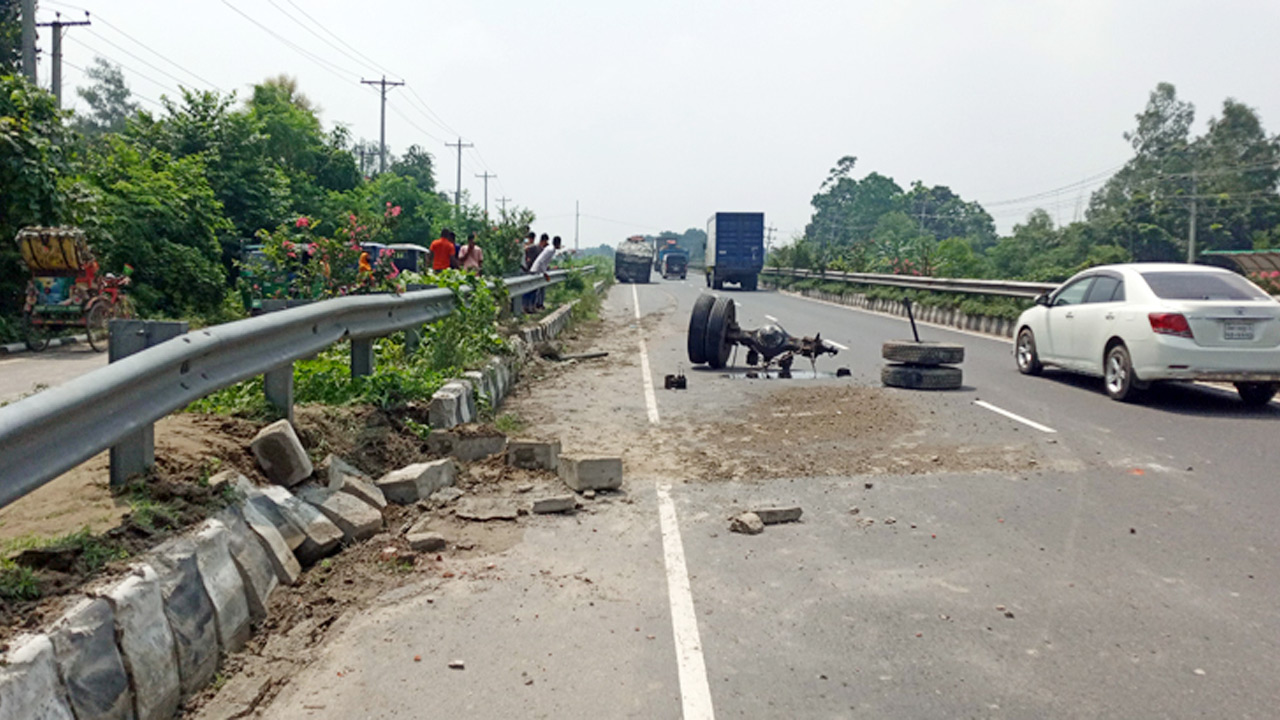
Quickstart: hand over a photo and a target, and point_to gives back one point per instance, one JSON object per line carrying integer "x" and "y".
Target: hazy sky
{"x": 656, "y": 114}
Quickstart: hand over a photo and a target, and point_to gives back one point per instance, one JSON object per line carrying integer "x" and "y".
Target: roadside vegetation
{"x": 985, "y": 305}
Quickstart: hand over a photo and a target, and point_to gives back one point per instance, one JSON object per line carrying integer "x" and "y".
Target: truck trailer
{"x": 735, "y": 249}
{"x": 632, "y": 260}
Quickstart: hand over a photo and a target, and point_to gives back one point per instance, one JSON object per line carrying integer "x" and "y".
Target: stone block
{"x": 466, "y": 400}
{"x": 342, "y": 477}
{"x": 281, "y": 556}
{"x": 557, "y": 504}
{"x": 355, "y": 518}
{"x": 465, "y": 447}
{"x": 747, "y": 524}
{"x": 280, "y": 454}
{"x": 321, "y": 536}
{"x": 444, "y": 496}
{"x": 416, "y": 482}
{"x": 29, "y": 684}
{"x": 267, "y": 509}
{"x": 84, "y": 643}
{"x": 591, "y": 473}
{"x": 257, "y": 572}
{"x": 485, "y": 509}
{"x": 534, "y": 454}
{"x": 775, "y": 515}
{"x": 190, "y": 613}
{"x": 478, "y": 385}
{"x": 223, "y": 584}
{"x": 442, "y": 411}
{"x": 146, "y": 644}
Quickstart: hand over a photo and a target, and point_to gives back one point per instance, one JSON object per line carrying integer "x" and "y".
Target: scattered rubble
{"x": 556, "y": 504}
{"x": 280, "y": 454}
{"x": 776, "y": 515}
{"x": 418, "y": 481}
{"x": 485, "y": 509}
{"x": 747, "y": 523}
{"x": 582, "y": 473}
{"x": 534, "y": 454}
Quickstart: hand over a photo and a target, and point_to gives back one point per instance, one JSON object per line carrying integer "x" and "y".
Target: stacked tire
{"x": 922, "y": 365}
{"x": 708, "y": 330}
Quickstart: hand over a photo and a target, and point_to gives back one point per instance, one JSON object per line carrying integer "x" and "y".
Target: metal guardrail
{"x": 45, "y": 435}
{"x": 1006, "y": 288}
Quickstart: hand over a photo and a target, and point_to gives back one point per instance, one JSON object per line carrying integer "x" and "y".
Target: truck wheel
{"x": 717, "y": 346}
{"x": 922, "y": 353}
{"x": 750, "y": 283}
{"x": 921, "y": 377}
{"x": 698, "y": 328}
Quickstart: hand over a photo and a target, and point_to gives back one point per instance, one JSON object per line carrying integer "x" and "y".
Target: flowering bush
{"x": 1268, "y": 281}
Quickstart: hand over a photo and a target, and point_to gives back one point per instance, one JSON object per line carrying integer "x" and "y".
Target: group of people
{"x": 447, "y": 253}
{"x": 537, "y": 260}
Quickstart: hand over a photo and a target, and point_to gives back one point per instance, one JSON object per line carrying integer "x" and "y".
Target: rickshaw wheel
{"x": 36, "y": 337}
{"x": 96, "y": 326}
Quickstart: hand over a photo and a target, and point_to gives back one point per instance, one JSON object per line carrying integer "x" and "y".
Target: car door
{"x": 1060, "y": 322}
{"x": 1095, "y": 321}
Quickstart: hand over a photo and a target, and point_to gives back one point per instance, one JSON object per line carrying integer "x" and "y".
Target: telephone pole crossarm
{"x": 55, "y": 82}
{"x": 383, "y": 85}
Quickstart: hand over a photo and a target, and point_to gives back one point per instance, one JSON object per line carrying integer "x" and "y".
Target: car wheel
{"x": 1118, "y": 375}
{"x": 1256, "y": 394}
{"x": 922, "y": 353}
{"x": 717, "y": 347}
{"x": 1025, "y": 353}
{"x": 921, "y": 377}
{"x": 697, "y": 340}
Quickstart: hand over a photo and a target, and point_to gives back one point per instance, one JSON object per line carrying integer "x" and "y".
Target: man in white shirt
{"x": 541, "y": 265}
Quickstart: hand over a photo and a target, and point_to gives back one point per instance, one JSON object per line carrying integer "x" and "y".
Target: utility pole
{"x": 486, "y": 175}
{"x": 1191, "y": 234}
{"x": 57, "y": 25}
{"x": 457, "y": 195}
{"x": 503, "y": 202}
{"x": 382, "y": 84}
{"x": 768, "y": 241}
{"x": 29, "y": 40}
{"x": 575, "y": 224}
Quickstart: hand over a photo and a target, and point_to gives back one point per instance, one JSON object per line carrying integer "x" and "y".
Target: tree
{"x": 418, "y": 165}
{"x": 1238, "y": 166}
{"x": 108, "y": 99}
{"x": 10, "y": 37}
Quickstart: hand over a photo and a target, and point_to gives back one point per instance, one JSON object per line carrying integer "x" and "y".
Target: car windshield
{"x": 1202, "y": 286}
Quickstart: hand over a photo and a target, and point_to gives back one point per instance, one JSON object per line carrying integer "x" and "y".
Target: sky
{"x": 653, "y": 115}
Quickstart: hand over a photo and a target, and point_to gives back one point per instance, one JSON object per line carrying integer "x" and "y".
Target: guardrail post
{"x": 136, "y": 452}
{"x": 277, "y": 385}
{"x": 412, "y": 339}
{"x": 517, "y": 305}
{"x": 361, "y": 357}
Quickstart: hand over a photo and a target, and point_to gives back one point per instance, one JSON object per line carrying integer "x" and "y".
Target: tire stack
{"x": 922, "y": 365}
{"x": 709, "y": 326}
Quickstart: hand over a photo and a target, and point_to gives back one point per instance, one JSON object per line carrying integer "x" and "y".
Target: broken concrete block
{"x": 223, "y": 584}
{"x": 283, "y": 561}
{"x": 190, "y": 613}
{"x": 479, "y": 386}
{"x": 343, "y": 477}
{"x": 422, "y": 539}
{"x": 591, "y": 473}
{"x": 267, "y": 509}
{"x": 557, "y": 504}
{"x": 29, "y": 682}
{"x": 465, "y": 447}
{"x": 747, "y": 524}
{"x": 226, "y": 478}
{"x": 775, "y": 515}
{"x": 84, "y": 643}
{"x": 280, "y": 454}
{"x": 356, "y": 519}
{"x": 416, "y": 482}
{"x": 442, "y": 411}
{"x": 466, "y": 400}
{"x": 252, "y": 562}
{"x": 321, "y": 535}
{"x": 534, "y": 454}
{"x": 146, "y": 644}
{"x": 444, "y": 496}
{"x": 485, "y": 509}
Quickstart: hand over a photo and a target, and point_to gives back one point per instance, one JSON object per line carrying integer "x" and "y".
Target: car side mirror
{"x": 1043, "y": 299}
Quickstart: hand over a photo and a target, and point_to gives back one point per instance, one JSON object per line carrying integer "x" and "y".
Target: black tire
{"x": 96, "y": 326}
{"x": 751, "y": 283}
{"x": 922, "y": 353}
{"x": 1256, "y": 394}
{"x": 698, "y": 328}
{"x": 717, "y": 346}
{"x": 921, "y": 377}
{"x": 1025, "y": 355}
{"x": 1117, "y": 375}
{"x": 35, "y": 336}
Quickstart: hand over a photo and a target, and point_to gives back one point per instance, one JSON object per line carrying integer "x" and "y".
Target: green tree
{"x": 417, "y": 165}
{"x": 109, "y": 101}
{"x": 10, "y": 37}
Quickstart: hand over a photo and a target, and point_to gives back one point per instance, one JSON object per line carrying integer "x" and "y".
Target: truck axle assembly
{"x": 714, "y": 332}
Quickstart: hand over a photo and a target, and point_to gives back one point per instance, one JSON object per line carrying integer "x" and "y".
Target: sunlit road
{"x": 28, "y": 372}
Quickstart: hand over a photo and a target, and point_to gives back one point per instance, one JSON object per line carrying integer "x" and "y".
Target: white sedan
{"x": 1143, "y": 322}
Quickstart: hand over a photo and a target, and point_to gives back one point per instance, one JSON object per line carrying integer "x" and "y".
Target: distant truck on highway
{"x": 632, "y": 260}
{"x": 735, "y": 249}
{"x": 671, "y": 260}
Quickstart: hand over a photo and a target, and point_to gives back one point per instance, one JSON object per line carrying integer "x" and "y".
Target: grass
{"x": 510, "y": 423}
{"x": 18, "y": 582}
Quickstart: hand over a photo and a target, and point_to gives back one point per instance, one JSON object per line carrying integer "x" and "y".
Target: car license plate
{"x": 1237, "y": 330}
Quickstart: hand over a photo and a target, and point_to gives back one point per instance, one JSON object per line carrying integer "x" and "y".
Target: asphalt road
{"x": 1130, "y": 571}
{"x": 27, "y": 373}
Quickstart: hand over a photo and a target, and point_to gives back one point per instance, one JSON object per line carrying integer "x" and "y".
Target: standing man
{"x": 470, "y": 256}
{"x": 531, "y": 251}
{"x": 541, "y": 265}
{"x": 442, "y": 251}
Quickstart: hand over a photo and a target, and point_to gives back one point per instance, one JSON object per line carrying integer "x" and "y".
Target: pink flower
{"x": 352, "y": 218}
{"x": 395, "y": 211}
{"x": 293, "y": 254}
{"x": 388, "y": 203}
{"x": 312, "y": 248}
{"x": 302, "y": 222}
{"x": 394, "y": 272}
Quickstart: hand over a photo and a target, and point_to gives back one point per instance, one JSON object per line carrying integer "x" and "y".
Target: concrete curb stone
{"x": 84, "y": 643}
{"x": 29, "y": 683}
{"x": 280, "y": 454}
{"x": 321, "y": 535}
{"x": 345, "y": 478}
{"x": 582, "y": 473}
{"x": 252, "y": 562}
{"x": 355, "y": 518}
{"x": 223, "y": 584}
{"x": 283, "y": 561}
{"x": 146, "y": 644}
{"x": 189, "y": 612}
{"x": 417, "y": 482}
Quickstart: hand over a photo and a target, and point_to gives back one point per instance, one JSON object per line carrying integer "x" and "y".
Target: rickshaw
{"x": 409, "y": 257}
{"x": 66, "y": 289}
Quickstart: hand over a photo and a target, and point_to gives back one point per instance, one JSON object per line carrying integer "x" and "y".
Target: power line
{"x": 306, "y": 27}
{"x": 133, "y": 71}
{"x": 133, "y": 93}
{"x": 135, "y": 57}
{"x": 325, "y": 64}
{"x": 339, "y": 39}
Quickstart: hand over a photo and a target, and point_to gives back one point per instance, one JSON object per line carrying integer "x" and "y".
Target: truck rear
{"x": 735, "y": 249}
{"x": 633, "y": 261}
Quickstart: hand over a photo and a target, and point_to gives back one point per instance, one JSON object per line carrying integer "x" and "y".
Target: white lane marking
{"x": 836, "y": 345}
{"x": 771, "y": 318}
{"x": 1012, "y": 416}
{"x": 650, "y": 399}
{"x": 695, "y": 693}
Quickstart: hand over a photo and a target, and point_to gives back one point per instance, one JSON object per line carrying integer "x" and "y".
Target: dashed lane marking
{"x": 1014, "y": 416}
{"x": 650, "y": 399}
{"x": 695, "y": 693}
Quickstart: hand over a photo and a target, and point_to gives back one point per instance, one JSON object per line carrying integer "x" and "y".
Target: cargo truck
{"x": 632, "y": 260}
{"x": 735, "y": 249}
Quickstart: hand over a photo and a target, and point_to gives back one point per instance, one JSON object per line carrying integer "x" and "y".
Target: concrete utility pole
{"x": 382, "y": 84}
{"x": 29, "y": 40}
{"x": 57, "y": 26}
{"x": 503, "y": 202}
{"x": 1191, "y": 234}
{"x": 457, "y": 195}
{"x": 486, "y": 175}
{"x": 575, "y": 224}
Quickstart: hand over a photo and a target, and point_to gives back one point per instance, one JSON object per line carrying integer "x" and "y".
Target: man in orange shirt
{"x": 443, "y": 252}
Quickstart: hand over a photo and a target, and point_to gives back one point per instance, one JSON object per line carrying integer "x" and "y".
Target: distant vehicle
{"x": 632, "y": 260}
{"x": 407, "y": 257}
{"x": 675, "y": 264}
{"x": 663, "y": 249}
{"x": 1140, "y": 323}
{"x": 735, "y": 249}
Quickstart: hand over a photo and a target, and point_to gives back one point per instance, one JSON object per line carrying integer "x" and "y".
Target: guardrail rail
{"x": 1006, "y": 288}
